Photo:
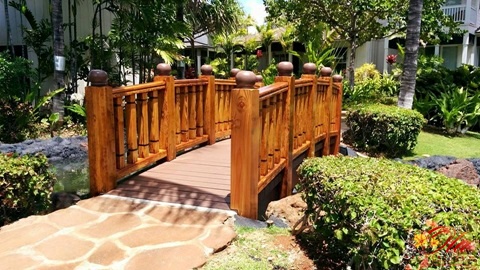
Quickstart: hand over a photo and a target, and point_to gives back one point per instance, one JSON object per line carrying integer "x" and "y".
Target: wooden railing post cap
{"x": 234, "y": 72}
{"x": 285, "y": 68}
{"x": 206, "y": 70}
{"x": 337, "y": 78}
{"x": 245, "y": 79}
{"x": 98, "y": 77}
{"x": 325, "y": 72}
{"x": 309, "y": 68}
{"x": 259, "y": 78}
{"x": 164, "y": 69}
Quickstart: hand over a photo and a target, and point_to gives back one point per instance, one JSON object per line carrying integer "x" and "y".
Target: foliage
{"x": 381, "y": 129}
{"x": 374, "y": 207}
{"x": 458, "y": 109}
{"x": 17, "y": 79}
{"x": 367, "y": 71}
{"x": 25, "y": 186}
{"x": 220, "y": 67}
{"x": 269, "y": 74}
{"x": 16, "y": 121}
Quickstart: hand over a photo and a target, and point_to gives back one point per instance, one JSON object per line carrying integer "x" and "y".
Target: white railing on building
{"x": 457, "y": 12}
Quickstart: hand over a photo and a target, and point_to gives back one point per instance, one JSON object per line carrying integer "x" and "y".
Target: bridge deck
{"x": 199, "y": 178}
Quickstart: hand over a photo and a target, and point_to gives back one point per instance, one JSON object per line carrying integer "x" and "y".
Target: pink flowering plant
{"x": 391, "y": 59}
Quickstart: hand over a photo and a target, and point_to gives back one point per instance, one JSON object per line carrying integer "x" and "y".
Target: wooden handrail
{"x": 275, "y": 127}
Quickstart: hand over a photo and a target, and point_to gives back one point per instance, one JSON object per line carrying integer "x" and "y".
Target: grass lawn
{"x": 431, "y": 142}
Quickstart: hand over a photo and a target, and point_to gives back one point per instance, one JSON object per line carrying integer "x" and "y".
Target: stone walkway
{"x": 111, "y": 232}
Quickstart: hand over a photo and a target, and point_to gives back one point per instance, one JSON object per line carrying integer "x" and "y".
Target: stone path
{"x": 110, "y": 232}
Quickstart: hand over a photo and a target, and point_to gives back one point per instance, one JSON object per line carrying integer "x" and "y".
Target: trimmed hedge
{"x": 385, "y": 130}
{"x": 25, "y": 186}
{"x": 374, "y": 207}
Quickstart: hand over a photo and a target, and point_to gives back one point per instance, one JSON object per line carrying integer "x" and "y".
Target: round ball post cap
{"x": 98, "y": 77}
{"x": 164, "y": 69}
{"x": 206, "y": 70}
{"x": 285, "y": 68}
{"x": 309, "y": 68}
{"x": 259, "y": 78}
{"x": 245, "y": 79}
{"x": 337, "y": 78}
{"x": 234, "y": 72}
{"x": 326, "y": 72}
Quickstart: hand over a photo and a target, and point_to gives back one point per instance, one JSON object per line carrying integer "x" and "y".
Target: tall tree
{"x": 408, "y": 79}
{"x": 9, "y": 28}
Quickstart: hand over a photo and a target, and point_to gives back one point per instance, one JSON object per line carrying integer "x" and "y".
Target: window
{"x": 449, "y": 55}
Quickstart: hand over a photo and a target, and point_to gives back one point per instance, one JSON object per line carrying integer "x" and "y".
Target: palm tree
{"x": 407, "y": 81}
{"x": 58, "y": 48}
{"x": 266, "y": 36}
{"x": 286, "y": 39}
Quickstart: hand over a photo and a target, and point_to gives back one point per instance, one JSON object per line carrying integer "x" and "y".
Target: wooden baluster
{"x": 143, "y": 136}
{"x": 153, "y": 122}
{"x": 210, "y": 112}
{"x": 192, "y": 112}
{"x": 168, "y": 111}
{"x": 132, "y": 139}
{"x": 217, "y": 107}
{"x": 178, "y": 114}
{"x": 278, "y": 126}
{"x": 285, "y": 70}
{"x": 101, "y": 130}
{"x": 119, "y": 132}
{"x": 227, "y": 108}
{"x": 312, "y": 106}
{"x": 304, "y": 114}
{"x": 337, "y": 79}
{"x": 271, "y": 131}
{"x": 200, "y": 96}
{"x": 184, "y": 114}
{"x": 264, "y": 140}
{"x": 221, "y": 105}
{"x": 326, "y": 72}
{"x": 295, "y": 119}
{"x": 246, "y": 139}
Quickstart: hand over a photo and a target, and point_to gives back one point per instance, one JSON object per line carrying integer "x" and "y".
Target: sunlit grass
{"x": 431, "y": 142}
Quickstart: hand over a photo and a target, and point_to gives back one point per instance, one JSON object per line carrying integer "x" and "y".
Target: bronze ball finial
{"x": 326, "y": 72}
{"x": 206, "y": 70}
{"x": 337, "y": 78}
{"x": 164, "y": 69}
{"x": 245, "y": 79}
{"x": 98, "y": 77}
{"x": 309, "y": 68}
{"x": 285, "y": 68}
{"x": 234, "y": 72}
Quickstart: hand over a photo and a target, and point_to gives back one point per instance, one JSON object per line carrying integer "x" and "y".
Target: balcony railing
{"x": 459, "y": 13}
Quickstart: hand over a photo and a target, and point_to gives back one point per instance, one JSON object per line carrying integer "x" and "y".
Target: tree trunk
{"x": 351, "y": 65}
{"x": 408, "y": 79}
{"x": 9, "y": 29}
{"x": 59, "y": 59}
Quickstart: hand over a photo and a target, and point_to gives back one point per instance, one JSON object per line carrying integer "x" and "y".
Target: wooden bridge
{"x": 228, "y": 144}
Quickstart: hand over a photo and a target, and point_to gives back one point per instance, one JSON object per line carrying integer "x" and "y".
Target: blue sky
{"x": 255, "y": 8}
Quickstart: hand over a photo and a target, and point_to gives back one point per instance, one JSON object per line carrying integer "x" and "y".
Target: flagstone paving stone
{"x": 111, "y": 232}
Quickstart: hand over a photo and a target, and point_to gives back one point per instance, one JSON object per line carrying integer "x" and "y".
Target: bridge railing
{"x": 275, "y": 127}
{"x": 132, "y": 127}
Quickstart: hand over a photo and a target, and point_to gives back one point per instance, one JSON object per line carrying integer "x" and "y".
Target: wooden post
{"x": 209, "y": 112}
{"x": 285, "y": 70}
{"x": 309, "y": 70}
{"x": 327, "y": 72}
{"x": 166, "y": 107}
{"x": 337, "y": 79}
{"x": 245, "y": 154}
{"x": 101, "y": 133}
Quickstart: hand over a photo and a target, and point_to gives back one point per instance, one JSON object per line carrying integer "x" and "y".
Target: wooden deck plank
{"x": 200, "y": 177}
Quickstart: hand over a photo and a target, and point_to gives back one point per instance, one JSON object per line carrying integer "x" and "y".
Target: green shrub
{"x": 365, "y": 72}
{"x": 375, "y": 207}
{"x": 17, "y": 121}
{"x": 25, "y": 186}
{"x": 381, "y": 129}
{"x": 16, "y": 77}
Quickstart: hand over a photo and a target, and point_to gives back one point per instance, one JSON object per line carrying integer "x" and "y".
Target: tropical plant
{"x": 266, "y": 33}
{"x": 269, "y": 74}
{"x": 220, "y": 68}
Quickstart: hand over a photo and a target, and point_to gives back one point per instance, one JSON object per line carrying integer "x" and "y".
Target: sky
{"x": 255, "y": 8}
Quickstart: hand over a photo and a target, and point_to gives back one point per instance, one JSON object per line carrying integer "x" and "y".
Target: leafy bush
{"x": 374, "y": 208}
{"x": 25, "y": 186}
{"x": 431, "y": 74}
{"x": 269, "y": 73}
{"x": 381, "y": 129}
{"x": 365, "y": 72}
{"x": 16, "y": 121}
{"x": 16, "y": 77}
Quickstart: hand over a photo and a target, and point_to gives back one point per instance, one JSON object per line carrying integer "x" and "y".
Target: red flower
{"x": 259, "y": 54}
{"x": 391, "y": 59}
